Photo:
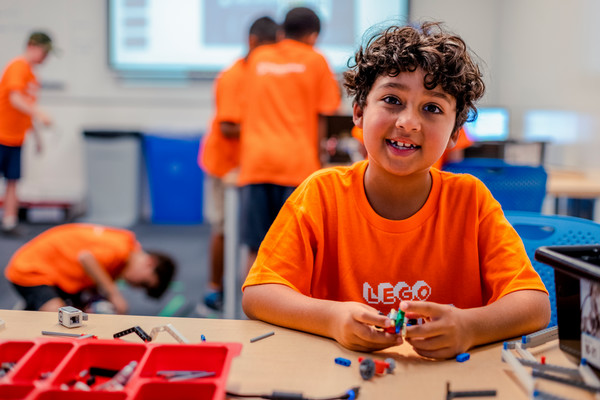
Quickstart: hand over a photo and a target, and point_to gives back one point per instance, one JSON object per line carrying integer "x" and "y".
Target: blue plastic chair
{"x": 538, "y": 230}
{"x": 516, "y": 187}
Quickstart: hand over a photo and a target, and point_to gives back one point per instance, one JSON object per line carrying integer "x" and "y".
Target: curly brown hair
{"x": 443, "y": 56}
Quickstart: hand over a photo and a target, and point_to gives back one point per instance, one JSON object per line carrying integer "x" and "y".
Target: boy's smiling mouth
{"x": 401, "y": 145}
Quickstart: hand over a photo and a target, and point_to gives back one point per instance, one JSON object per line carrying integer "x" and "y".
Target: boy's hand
{"x": 117, "y": 300}
{"x": 444, "y": 333}
{"x": 354, "y": 327}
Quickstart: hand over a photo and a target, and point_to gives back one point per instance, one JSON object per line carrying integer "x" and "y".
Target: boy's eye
{"x": 391, "y": 100}
{"x": 432, "y": 108}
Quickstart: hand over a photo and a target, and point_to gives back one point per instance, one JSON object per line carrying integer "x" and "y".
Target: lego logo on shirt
{"x": 386, "y": 293}
{"x": 264, "y": 68}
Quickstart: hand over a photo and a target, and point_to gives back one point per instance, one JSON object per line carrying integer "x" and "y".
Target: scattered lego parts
{"x": 526, "y": 380}
{"x": 399, "y": 322}
{"x": 468, "y": 393}
{"x": 567, "y": 381}
{"x": 581, "y": 377}
{"x": 120, "y": 379}
{"x": 71, "y": 317}
{"x": 261, "y": 337}
{"x": 176, "y": 375}
{"x": 540, "y": 337}
{"x": 366, "y": 368}
{"x": 5, "y": 367}
{"x": 137, "y": 330}
{"x": 170, "y": 329}
{"x": 369, "y": 367}
{"x": 73, "y": 335}
{"x": 574, "y": 372}
{"x": 462, "y": 357}
{"x": 587, "y": 374}
{"x": 343, "y": 361}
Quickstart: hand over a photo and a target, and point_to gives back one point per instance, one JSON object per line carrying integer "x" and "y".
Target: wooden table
{"x": 565, "y": 184}
{"x": 299, "y": 362}
{"x": 573, "y": 184}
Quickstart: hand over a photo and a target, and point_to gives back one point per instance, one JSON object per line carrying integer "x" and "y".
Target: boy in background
{"x": 353, "y": 242}
{"x": 61, "y": 265}
{"x": 219, "y": 153}
{"x": 289, "y": 84}
{"x": 18, "y": 112}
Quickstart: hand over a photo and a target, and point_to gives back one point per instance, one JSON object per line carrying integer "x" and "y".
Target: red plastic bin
{"x": 64, "y": 359}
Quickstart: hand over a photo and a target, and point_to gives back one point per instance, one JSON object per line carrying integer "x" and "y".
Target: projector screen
{"x": 190, "y": 38}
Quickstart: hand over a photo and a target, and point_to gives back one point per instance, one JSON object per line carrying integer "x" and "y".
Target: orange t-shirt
{"x": 218, "y": 154}
{"x": 14, "y": 124}
{"x": 288, "y": 85}
{"x": 51, "y": 258}
{"x": 328, "y": 243}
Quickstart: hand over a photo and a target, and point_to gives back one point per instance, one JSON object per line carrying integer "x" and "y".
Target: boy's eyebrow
{"x": 401, "y": 86}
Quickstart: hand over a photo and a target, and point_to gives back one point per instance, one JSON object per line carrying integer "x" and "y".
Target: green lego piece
{"x": 399, "y": 320}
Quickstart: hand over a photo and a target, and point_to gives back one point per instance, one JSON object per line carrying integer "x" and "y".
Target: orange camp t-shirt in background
{"x": 14, "y": 124}
{"x": 51, "y": 258}
{"x": 462, "y": 142}
{"x": 218, "y": 154}
{"x": 288, "y": 85}
{"x": 328, "y": 243}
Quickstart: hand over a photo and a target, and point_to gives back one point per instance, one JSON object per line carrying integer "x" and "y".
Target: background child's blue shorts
{"x": 10, "y": 162}
{"x": 260, "y": 205}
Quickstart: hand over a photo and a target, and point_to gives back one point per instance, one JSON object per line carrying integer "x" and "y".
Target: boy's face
{"x": 140, "y": 271}
{"x": 38, "y": 53}
{"x": 406, "y": 127}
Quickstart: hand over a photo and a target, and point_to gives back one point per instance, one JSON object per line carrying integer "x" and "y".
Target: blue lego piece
{"x": 343, "y": 361}
{"x": 463, "y": 357}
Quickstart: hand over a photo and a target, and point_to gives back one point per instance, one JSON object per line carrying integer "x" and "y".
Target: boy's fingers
{"x": 422, "y": 308}
{"x": 374, "y": 319}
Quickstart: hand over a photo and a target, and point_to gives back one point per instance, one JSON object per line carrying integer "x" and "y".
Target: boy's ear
{"x": 453, "y": 139}
{"x": 357, "y": 115}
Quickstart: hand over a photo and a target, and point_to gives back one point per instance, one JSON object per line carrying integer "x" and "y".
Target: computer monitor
{"x": 555, "y": 126}
{"x": 491, "y": 125}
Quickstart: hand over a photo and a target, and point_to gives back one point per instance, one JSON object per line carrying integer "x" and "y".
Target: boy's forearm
{"x": 283, "y": 306}
{"x": 18, "y": 101}
{"x": 513, "y": 315}
{"x": 94, "y": 270}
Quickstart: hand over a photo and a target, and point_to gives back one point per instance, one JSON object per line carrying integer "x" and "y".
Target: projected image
{"x": 491, "y": 125}
{"x": 225, "y": 19}
{"x": 208, "y": 35}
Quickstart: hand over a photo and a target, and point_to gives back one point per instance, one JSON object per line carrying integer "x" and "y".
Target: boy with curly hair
{"x": 353, "y": 242}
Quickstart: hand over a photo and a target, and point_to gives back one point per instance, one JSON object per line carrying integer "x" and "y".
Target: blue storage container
{"x": 175, "y": 179}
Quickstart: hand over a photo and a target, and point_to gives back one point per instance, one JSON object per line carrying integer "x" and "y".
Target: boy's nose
{"x": 408, "y": 120}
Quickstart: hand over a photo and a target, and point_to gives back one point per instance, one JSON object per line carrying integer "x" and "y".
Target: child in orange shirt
{"x": 289, "y": 85}
{"x": 18, "y": 111}
{"x": 351, "y": 243}
{"x": 219, "y": 152}
{"x": 58, "y": 266}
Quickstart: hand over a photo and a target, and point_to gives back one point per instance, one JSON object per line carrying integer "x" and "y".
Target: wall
{"x": 540, "y": 54}
{"x": 535, "y": 53}
{"x": 81, "y": 93}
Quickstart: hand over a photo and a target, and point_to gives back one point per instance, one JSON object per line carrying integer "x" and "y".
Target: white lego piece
{"x": 172, "y": 331}
{"x": 71, "y": 317}
{"x": 526, "y": 380}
